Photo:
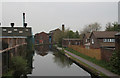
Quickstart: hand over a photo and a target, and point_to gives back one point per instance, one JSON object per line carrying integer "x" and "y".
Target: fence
{"x": 94, "y": 53}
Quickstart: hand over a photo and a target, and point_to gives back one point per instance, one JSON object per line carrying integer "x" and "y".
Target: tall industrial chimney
{"x": 23, "y": 19}
{"x": 63, "y": 27}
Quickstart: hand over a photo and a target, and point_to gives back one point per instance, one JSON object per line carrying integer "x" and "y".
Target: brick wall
{"x": 106, "y": 53}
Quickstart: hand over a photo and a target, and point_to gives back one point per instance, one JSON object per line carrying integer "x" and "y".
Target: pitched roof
{"x": 87, "y": 35}
{"x": 104, "y": 34}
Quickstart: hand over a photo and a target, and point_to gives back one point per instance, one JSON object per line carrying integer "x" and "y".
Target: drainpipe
{"x": 117, "y": 41}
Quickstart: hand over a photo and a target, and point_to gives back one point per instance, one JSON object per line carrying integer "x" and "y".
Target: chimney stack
{"x": 12, "y": 24}
{"x": 23, "y": 19}
{"x": 63, "y": 27}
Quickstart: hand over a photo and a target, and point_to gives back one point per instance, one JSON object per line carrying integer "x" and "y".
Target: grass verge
{"x": 101, "y": 63}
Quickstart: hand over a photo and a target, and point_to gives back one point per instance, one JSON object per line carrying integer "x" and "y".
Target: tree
{"x": 91, "y": 27}
{"x": 19, "y": 66}
{"x": 112, "y": 27}
{"x": 77, "y": 34}
{"x": 58, "y": 36}
{"x": 115, "y": 62}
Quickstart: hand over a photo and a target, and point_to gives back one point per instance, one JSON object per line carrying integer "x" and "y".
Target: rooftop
{"x": 104, "y": 34}
{"x": 16, "y": 31}
{"x": 87, "y": 35}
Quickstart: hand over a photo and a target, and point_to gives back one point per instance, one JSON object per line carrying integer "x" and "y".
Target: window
{"x": 9, "y": 31}
{"x": 15, "y": 29}
{"x": 108, "y": 40}
{"x": 76, "y": 43}
{"x": 69, "y": 43}
{"x": 104, "y": 40}
{"x": 20, "y": 31}
{"x": 92, "y": 41}
{"x": 113, "y": 40}
{"x": 86, "y": 40}
{"x": 4, "y": 30}
{"x": 26, "y": 29}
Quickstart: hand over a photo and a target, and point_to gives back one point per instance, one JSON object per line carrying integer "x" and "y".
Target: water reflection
{"x": 61, "y": 60}
{"x": 42, "y": 50}
{"x": 17, "y": 61}
{"x": 54, "y": 64}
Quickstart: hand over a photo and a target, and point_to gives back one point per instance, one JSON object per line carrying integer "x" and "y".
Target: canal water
{"x": 43, "y": 61}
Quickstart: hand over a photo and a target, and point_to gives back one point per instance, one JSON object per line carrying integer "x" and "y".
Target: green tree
{"x": 77, "y": 34}
{"x": 112, "y": 27}
{"x": 115, "y": 62}
{"x": 19, "y": 66}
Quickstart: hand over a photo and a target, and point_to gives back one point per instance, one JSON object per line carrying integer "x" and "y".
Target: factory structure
{"x": 12, "y": 36}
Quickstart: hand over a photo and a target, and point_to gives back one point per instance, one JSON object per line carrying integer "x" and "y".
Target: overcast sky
{"x": 45, "y": 16}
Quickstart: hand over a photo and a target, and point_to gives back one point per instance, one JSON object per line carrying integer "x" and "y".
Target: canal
{"x": 43, "y": 61}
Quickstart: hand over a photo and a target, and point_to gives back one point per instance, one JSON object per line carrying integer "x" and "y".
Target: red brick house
{"x": 70, "y": 41}
{"x": 52, "y": 33}
{"x": 41, "y": 38}
{"x": 86, "y": 40}
{"x": 102, "y": 39}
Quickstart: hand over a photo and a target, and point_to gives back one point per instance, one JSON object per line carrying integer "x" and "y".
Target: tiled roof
{"x": 104, "y": 34}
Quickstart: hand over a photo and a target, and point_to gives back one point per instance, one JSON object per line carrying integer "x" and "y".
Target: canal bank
{"x": 48, "y": 61}
{"x": 92, "y": 68}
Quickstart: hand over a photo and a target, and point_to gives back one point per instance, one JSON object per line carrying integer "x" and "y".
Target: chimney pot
{"x": 25, "y": 25}
{"x": 12, "y": 24}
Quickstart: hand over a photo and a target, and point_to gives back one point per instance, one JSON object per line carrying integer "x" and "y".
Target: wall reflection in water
{"x": 62, "y": 60}
{"x": 42, "y": 50}
{"x": 17, "y": 61}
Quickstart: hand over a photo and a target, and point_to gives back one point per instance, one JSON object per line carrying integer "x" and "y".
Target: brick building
{"x": 106, "y": 53}
{"x": 41, "y": 38}
{"x": 11, "y": 36}
{"x": 51, "y": 35}
{"x": 102, "y": 39}
{"x": 86, "y": 40}
{"x": 70, "y": 41}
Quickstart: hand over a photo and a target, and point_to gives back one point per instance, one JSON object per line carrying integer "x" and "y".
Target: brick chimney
{"x": 117, "y": 41}
{"x": 63, "y": 27}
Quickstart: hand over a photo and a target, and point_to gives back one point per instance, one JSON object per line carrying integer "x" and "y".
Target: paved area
{"x": 99, "y": 68}
{"x": 106, "y": 72}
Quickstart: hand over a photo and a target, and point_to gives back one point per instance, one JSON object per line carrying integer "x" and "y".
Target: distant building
{"x": 51, "y": 35}
{"x": 41, "y": 38}
{"x": 102, "y": 39}
{"x": 70, "y": 41}
{"x": 11, "y": 36}
{"x": 86, "y": 40}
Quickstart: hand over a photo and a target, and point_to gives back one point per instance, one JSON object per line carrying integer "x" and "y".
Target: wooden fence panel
{"x": 94, "y": 53}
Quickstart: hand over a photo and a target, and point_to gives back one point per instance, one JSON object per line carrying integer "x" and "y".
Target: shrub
{"x": 115, "y": 62}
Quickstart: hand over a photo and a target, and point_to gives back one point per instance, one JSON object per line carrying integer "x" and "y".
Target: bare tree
{"x": 91, "y": 27}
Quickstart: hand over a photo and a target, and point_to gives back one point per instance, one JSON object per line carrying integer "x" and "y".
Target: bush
{"x": 115, "y": 62}
{"x": 19, "y": 66}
